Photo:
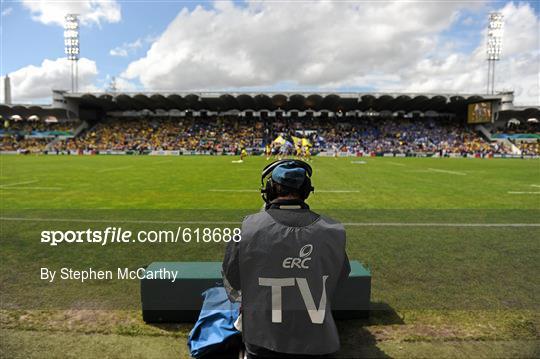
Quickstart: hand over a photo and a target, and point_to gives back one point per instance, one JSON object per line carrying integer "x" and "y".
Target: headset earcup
{"x": 268, "y": 194}
{"x": 269, "y": 190}
{"x": 307, "y": 188}
{"x": 263, "y": 195}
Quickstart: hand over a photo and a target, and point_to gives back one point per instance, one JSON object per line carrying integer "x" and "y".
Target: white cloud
{"x": 124, "y": 85}
{"x": 121, "y": 84}
{"x": 468, "y": 21}
{"x": 323, "y": 45}
{"x": 518, "y": 69}
{"x": 126, "y": 48}
{"x": 7, "y": 11}
{"x": 36, "y": 82}
{"x": 119, "y": 51}
{"x": 308, "y": 43}
{"x": 91, "y": 11}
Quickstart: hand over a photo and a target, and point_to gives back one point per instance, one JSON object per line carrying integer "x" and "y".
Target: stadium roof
{"x": 68, "y": 105}
{"x": 27, "y": 110}
{"x": 272, "y": 101}
{"x": 520, "y": 113}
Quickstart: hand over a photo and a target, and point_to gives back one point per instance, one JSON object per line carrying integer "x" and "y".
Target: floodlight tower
{"x": 71, "y": 47}
{"x": 494, "y": 47}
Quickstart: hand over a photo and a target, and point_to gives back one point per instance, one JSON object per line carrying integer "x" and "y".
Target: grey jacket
{"x": 287, "y": 266}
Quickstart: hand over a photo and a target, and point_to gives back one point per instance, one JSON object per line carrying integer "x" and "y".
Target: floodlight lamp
{"x": 495, "y": 18}
{"x": 71, "y": 33}
{"x": 71, "y": 42}
{"x": 71, "y": 46}
{"x": 495, "y": 24}
{"x": 71, "y": 18}
{"x": 494, "y": 36}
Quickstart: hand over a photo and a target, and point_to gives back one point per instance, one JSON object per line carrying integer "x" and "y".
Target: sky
{"x": 277, "y": 45}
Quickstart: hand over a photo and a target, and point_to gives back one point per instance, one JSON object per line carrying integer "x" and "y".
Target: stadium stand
{"x": 530, "y": 148}
{"x": 24, "y": 145}
{"x": 217, "y": 123}
{"x": 204, "y": 135}
{"x": 33, "y": 136}
{"x": 216, "y": 135}
{"x": 525, "y": 135}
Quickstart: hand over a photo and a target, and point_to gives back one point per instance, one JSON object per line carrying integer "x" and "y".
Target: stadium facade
{"x": 94, "y": 106}
{"x": 350, "y": 122}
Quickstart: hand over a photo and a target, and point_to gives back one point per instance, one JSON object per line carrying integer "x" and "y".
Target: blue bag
{"x": 215, "y": 325}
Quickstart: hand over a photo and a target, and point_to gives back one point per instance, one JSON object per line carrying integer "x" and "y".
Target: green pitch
{"x": 452, "y": 244}
{"x": 204, "y": 182}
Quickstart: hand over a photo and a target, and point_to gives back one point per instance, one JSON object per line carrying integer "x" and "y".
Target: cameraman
{"x": 286, "y": 268}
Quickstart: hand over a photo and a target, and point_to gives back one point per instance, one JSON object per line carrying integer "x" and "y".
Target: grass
{"x": 471, "y": 289}
{"x": 124, "y": 182}
{"x": 31, "y": 344}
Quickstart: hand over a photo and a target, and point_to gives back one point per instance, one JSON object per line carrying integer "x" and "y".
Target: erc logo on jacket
{"x": 300, "y": 262}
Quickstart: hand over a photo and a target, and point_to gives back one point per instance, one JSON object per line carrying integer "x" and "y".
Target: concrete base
{"x": 164, "y": 301}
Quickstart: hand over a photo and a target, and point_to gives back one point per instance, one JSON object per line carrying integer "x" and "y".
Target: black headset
{"x": 267, "y": 189}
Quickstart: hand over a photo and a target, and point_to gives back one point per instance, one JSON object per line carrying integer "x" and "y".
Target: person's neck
{"x": 288, "y": 198}
{"x": 287, "y": 202}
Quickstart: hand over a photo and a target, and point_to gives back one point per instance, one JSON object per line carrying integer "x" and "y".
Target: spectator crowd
{"x": 218, "y": 134}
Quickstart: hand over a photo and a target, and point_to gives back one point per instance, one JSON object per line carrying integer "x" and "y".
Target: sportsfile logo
{"x": 300, "y": 262}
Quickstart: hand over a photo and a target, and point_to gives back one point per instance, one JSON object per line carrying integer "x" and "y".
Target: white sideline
{"x": 113, "y": 169}
{"x": 365, "y": 224}
{"x": 18, "y": 183}
{"x": 33, "y": 188}
{"x": 448, "y": 172}
{"x": 86, "y": 220}
{"x": 256, "y": 190}
{"x": 405, "y": 224}
{"x": 522, "y": 192}
{"x": 337, "y": 191}
{"x": 16, "y": 186}
{"x": 233, "y": 190}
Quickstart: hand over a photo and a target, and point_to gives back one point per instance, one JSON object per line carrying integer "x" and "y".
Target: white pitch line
{"x": 448, "y": 172}
{"x": 32, "y": 188}
{"x": 522, "y": 192}
{"x": 86, "y": 220}
{"x": 367, "y": 224}
{"x": 113, "y": 169}
{"x": 336, "y": 191}
{"x": 18, "y": 183}
{"x": 535, "y": 185}
{"x": 396, "y": 164}
{"x": 162, "y": 162}
{"x": 233, "y": 190}
{"x": 402, "y": 224}
{"x": 255, "y": 190}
